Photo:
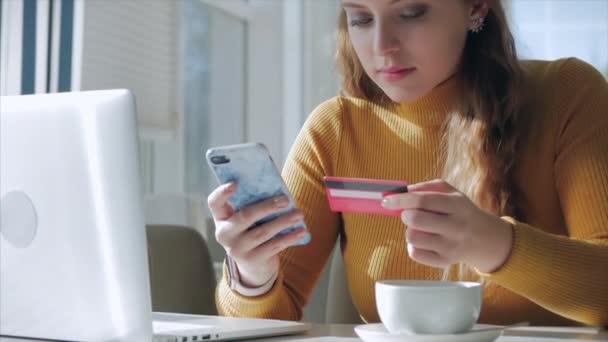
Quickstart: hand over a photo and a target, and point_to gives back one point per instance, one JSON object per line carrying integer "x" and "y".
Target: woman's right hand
{"x": 255, "y": 251}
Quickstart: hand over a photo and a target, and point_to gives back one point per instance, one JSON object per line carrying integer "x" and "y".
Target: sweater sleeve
{"x": 311, "y": 157}
{"x": 569, "y": 274}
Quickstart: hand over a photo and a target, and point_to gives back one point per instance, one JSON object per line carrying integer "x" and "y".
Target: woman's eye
{"x": 413, "y": 14}
{"x": 360, "y": 21}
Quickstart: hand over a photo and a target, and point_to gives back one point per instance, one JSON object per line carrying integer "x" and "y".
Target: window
{"x": 253, "y": 72}
{"x": 215, "y": 92}
{"x": 551, "y": 29}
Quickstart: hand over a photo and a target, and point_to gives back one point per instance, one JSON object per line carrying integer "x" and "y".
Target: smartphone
{"x": 361, "y": 195}
{"x": 252, "y": 168}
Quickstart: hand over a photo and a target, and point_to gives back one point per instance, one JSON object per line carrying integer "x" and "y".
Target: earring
{"x": 477, "y": 25}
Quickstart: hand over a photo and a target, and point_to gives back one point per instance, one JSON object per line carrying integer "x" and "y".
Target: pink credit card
{"x": 361, "y": 195}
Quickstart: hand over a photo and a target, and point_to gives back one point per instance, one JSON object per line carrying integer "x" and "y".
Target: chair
{"x": 182, "y": 279}
{"x": 340, "y": 308}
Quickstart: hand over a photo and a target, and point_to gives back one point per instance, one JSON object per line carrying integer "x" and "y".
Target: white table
{"x": 346, "y": 333}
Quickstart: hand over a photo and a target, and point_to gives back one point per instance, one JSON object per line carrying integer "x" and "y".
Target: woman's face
{"x": 408, "y": 47}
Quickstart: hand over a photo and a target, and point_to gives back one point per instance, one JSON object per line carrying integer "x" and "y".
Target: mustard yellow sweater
{"x": 557, "y": 272}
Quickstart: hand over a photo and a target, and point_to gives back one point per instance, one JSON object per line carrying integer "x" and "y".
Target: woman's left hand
{"x": 446, "y": 227}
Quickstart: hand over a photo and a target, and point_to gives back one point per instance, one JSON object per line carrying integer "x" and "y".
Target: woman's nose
{"x": 386, "y": 42}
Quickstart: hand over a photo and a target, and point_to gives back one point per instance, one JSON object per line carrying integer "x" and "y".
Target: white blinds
{"x": 70, "y": 45}
{"x": 135, "y": 45}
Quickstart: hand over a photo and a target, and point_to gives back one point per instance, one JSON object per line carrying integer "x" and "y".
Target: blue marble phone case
{"x": 252, "y": 168}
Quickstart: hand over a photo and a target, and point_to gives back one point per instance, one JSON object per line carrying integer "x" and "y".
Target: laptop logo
{"x": 18, "y": 219}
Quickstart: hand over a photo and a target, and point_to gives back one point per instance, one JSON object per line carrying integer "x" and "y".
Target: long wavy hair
{"x": 480, "y": 140}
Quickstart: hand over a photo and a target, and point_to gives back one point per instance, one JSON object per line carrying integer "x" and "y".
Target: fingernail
{"x": 229, "y": 186}
{"x": 405, "y": 218}
{"x": 297, "y": 217}
{"x": 281, "y": 202}
{"x": 387, "y": 202}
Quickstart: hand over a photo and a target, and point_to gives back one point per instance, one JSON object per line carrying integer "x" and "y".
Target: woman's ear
{"x": 478, "y": 11}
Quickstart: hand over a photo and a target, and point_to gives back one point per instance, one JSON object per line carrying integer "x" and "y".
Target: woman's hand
{"x": 445, "y": 227}
{"x": 255, "y": 251}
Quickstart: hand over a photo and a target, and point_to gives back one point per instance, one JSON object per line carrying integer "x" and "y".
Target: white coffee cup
{"x": 428, "y": 307}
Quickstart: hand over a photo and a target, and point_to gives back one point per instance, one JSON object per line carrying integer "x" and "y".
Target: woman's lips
{"x": 395, "y": 73}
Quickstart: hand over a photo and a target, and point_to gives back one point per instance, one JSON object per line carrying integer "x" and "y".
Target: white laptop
{"x": 73, "y": 256}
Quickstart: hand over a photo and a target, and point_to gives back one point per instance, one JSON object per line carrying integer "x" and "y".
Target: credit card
{"x": 361, "y": 195}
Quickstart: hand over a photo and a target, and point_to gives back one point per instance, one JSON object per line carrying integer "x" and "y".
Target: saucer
{"x": 378, "y": 333}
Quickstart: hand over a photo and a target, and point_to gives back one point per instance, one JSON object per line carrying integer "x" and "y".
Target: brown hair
{"x": 480, "y": 140}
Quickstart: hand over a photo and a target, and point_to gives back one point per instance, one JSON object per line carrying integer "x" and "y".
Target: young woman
{"x": 508, "y": 162}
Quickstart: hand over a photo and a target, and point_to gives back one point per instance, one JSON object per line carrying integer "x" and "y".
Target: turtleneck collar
{"x": 432, "y": 109}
